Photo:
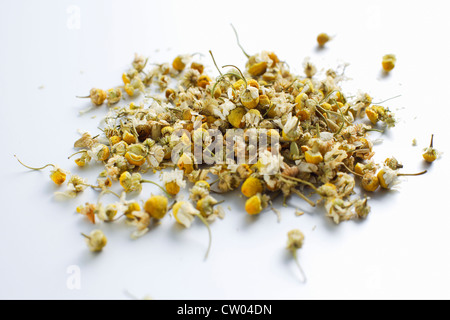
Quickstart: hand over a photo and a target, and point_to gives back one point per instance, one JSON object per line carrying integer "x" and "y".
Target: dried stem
{"x": 239, "y": 44}
{"x": 387, "y": 99}
{"x": 164, "y": 190}
{"x": 87, "y": 237}
{"x": 214, "y": 60}
{"x": 240, "y": 72}
{"x": 48, "y": 165}
{"x": 351, "y": 171}
{"x": 82, "y": 151}
{"x": 202, "y": 219}
{"x": 411, "y": 174}
{"x": 294, "y": 253}
{"x": 301, "y": 195}
{"x": 301, "y": 181}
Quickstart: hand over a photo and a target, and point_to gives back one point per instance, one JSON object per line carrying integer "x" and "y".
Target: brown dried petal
{"x": 144, "y": 131}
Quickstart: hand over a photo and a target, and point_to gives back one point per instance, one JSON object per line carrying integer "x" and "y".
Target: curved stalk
{"x": 164, "y": 190}
{"x": 301, "y": 195}
{"x": 411, "y": 174}
{"x": 82, "y": 151}
{"x": 239, "y": 44}
{"x": 46, "y": 166}
{"x": 301, "y": 181}
{"x": 214, "y": 60}
{"x": 294, "y": 253}
{"x": 202, "y": 219}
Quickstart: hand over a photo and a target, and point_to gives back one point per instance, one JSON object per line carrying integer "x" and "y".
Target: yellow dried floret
{"x": 156, "y": 206}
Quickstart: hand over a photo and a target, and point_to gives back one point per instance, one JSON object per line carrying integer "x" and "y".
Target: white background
{"x": 400, "y": 251}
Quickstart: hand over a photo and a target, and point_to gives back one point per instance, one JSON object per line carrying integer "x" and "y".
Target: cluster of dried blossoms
{"x": 322, "y": 143}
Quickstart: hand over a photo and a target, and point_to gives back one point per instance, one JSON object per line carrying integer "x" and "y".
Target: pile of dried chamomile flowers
{"x": 261, "y": 129}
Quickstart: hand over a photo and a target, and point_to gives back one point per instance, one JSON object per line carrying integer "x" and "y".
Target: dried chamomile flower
{"x": 86, "y": 141}
{"x": 184, "y": 213}
{"x": 114, "y": 96}
{"x": 141, "y": 220}
{"x": 185, "y": 163}
{"x": 322, "y": 39}
{"x": 252, "y": 186}
{"x": 179, "y": 63}
{"x": 135, "y": 84}
{"x": 430, "y": 154}
{"x": 308, "y": 68}
{"x": 129, "y": 138}
{"x": 250, "y": 97}
{"x": 339, "y": 210}
{"x": 206, "y": 206}
{"x": 198, "y": 66}
{"x": 97, "y": 96}
{"x": 99, "y": 152}
{"x": 104, "y": 183}
{"x": 388, "y": 62}
{"x": 252, "y": 118}
{"x": 393, "y": 163}
{"x": 135, "y": 159}
{"x": 388, "y": 178}
{"x": 313, "y": 157}
{"x": 200, "y": 190}
{"x": 295, "y": 241}
{"x": 83, "y": 160}
{"x": 292, "y": 129}
{"x": 110, "y": 212}
{"x": 257, "y": 203}
{"x": 155, "y": 155}
{"x": 129, "y": 208}
{"x": 96, "y": 240}
{"x": 370, "y": 182}
{"x": 327, "y": 190}
{"x": 139, "y": 62}
{"x": 236, "y": 117}
{"x": 89, "y": 210}
{"x": 57, "y": 175}
{"x": 75, "y": 185}
{"x": 173, "y": 181}
{"x": 131, "y": 182}
{"x": 379, "y": 113}
{"x": 156, "y": 206}
{"x": 362, "y": 209}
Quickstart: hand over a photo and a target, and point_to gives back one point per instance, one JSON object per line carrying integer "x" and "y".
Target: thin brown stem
{"x": 411, "y": 174}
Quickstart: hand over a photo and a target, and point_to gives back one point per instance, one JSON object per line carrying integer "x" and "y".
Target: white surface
{"x": 400, "y": 251}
